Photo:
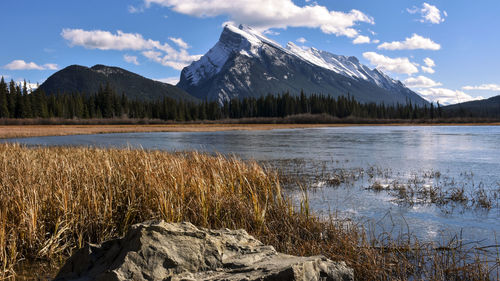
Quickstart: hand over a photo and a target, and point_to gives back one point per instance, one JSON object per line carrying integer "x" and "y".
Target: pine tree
{"x": 12, "y": 99}
{"x": 440, "y": 110}
{"x": 4, "y": 109}
{"x": 26, "y": 110}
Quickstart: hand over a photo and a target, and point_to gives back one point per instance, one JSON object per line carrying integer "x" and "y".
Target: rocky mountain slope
{"x": 244, "y": 63}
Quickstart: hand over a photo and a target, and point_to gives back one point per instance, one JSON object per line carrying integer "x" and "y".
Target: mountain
{"x": 76, "y": 78}
{"x": 244, "y": 63}
{"x": 479, "y": 108}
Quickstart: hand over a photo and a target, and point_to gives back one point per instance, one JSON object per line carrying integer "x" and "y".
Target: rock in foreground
{"x": 164, "y": 251}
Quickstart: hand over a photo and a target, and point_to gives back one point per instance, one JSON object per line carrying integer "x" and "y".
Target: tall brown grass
{"x": 54, "y": 200}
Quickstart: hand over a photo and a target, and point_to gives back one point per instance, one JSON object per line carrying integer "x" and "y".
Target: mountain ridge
{"x": 245, "y": 63}
{"x": 489, "y": 107}
{"x": 87, "y": 80}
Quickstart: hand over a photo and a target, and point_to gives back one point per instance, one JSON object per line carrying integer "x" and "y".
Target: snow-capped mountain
{"x": 245, "y": 63}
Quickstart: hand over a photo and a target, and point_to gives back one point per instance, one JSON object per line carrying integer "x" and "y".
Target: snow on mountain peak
{"x": 243, "y": 40}
{"x": 347, "y": 66}
{"x": 246, "y": 41}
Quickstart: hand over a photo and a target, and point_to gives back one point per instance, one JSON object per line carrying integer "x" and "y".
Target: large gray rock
{"x": 169, "y": 251}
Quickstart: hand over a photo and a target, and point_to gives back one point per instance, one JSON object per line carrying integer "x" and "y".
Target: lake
{"x": 434, "y": 181}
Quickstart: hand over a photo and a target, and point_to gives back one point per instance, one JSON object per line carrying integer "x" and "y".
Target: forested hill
{"x": 81, "y": 79}
{"x": 480, "y": 108}
{"x": 17, "y": 102}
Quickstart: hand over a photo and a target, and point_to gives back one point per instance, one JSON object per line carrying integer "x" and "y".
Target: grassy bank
{"x": 21, "y": 131}
{"x": 19, "y": 128}
{"x": 53, "y": 200}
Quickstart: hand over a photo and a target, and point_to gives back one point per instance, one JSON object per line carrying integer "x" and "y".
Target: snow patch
{"x": 240, "y": 40}
{"x": 108, "y": 70}
{"x": 343, "y": 65}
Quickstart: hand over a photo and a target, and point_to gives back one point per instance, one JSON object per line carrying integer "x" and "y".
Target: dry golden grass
{"x": 20, "y": 131}
{"x": 53, "y": 200}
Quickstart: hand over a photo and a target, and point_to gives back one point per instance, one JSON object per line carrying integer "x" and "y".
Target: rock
{"x": 181, "y": 251}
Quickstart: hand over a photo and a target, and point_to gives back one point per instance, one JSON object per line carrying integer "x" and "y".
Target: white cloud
{"x": 429, "y": 62}
{"x": 271, "y": 32}
{"x": 421, "y": 82}
{"x": 170, "y": 80}
{"x": 131, "y": 59}
{"x": 361, "y": 40}
{"x": 301, "y": 40}
{"x": 154, "y": 50}
{"x": 179, "y": 42}
{"x": 135, "y": 10}
{"x": 427, "y": 69}
{"x": 22, "y": 65}
{"x": 266, "y": 14}
{"x": 483, "y": 87}
{"x": 429, "y": 13}
{"x": 446, "y": 96}
{"x": 176, "y": 60}
{"x": 395, "y": 65}
{"x": 413, "y": 43}
{"x": 51, "y": 66}
{"x": 105, "y": 40}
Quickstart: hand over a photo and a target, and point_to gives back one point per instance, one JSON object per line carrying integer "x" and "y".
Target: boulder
{"x": 157, "y": 250}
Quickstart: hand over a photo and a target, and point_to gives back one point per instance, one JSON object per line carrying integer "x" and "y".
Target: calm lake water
{"x": 416, "y": 158}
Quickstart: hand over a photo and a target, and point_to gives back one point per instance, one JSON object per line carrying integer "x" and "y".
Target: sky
{"x": 447, "y": 51}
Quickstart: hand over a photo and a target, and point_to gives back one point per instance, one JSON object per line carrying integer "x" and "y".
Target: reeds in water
{"x": 54, "y": 200}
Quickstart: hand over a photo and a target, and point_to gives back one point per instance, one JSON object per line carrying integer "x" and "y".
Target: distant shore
{"x": 23, "y": 131}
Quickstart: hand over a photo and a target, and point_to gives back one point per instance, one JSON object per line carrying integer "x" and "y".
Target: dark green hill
{"x": 480, "y": 108}
{"x": 77, "y": 78}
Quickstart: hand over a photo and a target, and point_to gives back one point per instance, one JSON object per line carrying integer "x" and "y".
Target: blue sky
{"x": 445, "y": 50}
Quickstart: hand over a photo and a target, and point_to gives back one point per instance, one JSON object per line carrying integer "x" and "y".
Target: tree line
{"x": 17, "y": 102}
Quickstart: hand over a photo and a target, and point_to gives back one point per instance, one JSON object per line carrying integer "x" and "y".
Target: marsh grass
{"x": 413, "y": 193}
{"x": 423, "y": 188}
{"x": 54, "y": 200}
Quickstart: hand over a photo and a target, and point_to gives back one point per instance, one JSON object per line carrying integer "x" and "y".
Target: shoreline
{"x": 26, "y": 131}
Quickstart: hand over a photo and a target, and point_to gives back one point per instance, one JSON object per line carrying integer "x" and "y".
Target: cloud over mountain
{"x": 266, "y": 14}
{"x": 394, "y": 65}
{"x": 154, "y": 50}
{"x": 483, "y": 87}
{"x": 412, "y": 43}
{"x": 421, "y": 82}
{"x": 22, "y": 65}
